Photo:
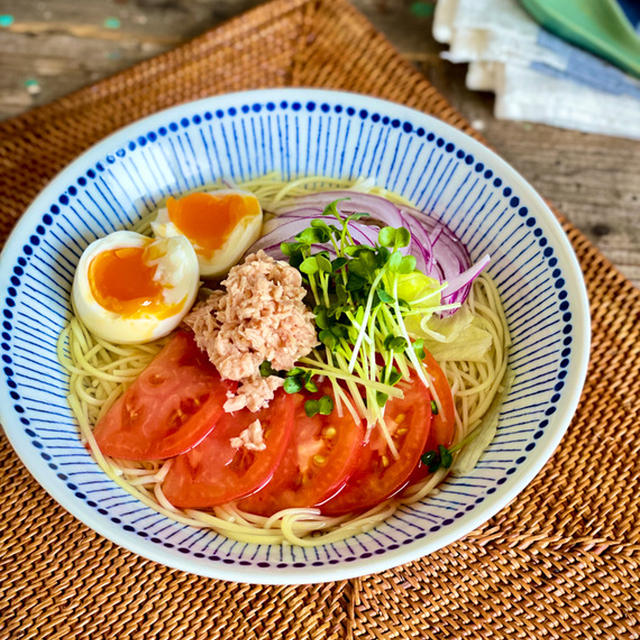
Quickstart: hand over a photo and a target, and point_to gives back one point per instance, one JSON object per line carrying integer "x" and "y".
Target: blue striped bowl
{"x": 295, "y": 132}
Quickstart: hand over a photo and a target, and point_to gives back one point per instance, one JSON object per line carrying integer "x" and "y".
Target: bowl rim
{"x": 391, "y": 558}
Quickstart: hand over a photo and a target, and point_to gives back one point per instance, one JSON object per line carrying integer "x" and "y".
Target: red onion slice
{"x": 292, "y": 224}
{"x": 464, "y": 280}
{"x": 438, "y": 252}
{"x": 355, "y": 202}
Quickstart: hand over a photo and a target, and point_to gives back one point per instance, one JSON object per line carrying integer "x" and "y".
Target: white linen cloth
{"x": 535, "y": 75}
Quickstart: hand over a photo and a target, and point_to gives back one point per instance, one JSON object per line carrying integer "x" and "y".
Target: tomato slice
{"x": 320, "y": 456}
{"x": 172, "y": 405}
{"x": 443, "y": 423}
{"x": 215, "y": 472}
{"x": 378, "y": 474}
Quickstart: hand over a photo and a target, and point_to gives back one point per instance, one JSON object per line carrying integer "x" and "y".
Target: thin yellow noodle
{"x": 99, "y": 372}
{"x": 82, "y": 335}
{"x": 134, "y": 362}
{"x": 118, "y": 350}
{"x": 87, "y": 397}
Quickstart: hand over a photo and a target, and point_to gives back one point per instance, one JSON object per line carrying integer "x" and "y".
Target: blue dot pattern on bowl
{"x": 244, "y": 141}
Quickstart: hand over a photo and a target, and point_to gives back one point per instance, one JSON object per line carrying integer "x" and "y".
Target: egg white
{"x": 177, "y": 271}
{"x": 216, "y": 263}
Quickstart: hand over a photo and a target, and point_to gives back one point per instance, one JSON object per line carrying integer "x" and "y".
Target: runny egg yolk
{"x": 122, "y": 281}
{"x": 208, "y": 219}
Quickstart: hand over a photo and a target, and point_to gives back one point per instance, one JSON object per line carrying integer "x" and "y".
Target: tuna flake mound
{"x": 258, "y": 316}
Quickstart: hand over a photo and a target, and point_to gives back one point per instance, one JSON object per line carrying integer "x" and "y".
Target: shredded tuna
{"x": 252, "y": 438}
{"x": 253, "y": 393}
{"x": 203, "y": 317}
{"x": 259, "y": 316}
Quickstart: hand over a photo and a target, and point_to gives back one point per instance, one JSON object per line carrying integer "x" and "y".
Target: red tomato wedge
{"x": 173, "y": 404}
{"x": 214, "y": 472}
{"x": 320, "y": 456}
{"x": 378, "y": 474}
{"x": 443, "y": 423}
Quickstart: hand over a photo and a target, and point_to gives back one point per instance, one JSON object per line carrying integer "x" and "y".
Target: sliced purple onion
{"x": 354, "y": 202}
{"x": 438, "y": 252}
{"x": 291, "y": 224}
{"x": 459, "y": 285}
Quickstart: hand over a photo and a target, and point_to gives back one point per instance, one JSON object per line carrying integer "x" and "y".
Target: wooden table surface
{"x": 48, "y": 49}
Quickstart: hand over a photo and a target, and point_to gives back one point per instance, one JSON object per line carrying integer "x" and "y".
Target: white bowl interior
{"x": 295, "y": 132}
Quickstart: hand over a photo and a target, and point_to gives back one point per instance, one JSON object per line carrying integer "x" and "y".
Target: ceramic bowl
{"x": 295, "y": 132}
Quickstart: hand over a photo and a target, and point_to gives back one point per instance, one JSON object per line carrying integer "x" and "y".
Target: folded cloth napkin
{"x": 535, "y": 75}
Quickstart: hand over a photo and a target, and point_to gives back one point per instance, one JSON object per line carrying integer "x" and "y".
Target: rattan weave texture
{"x": 562, "y": 561}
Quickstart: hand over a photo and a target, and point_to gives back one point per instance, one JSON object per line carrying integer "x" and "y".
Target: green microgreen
{"x": 314, "y": 235}
{"x": 431, "y": 460}
{"x": 355, "y": 282}
{"x": 311, "y": 408}
{"x": 332, "y": 209}
{"x": 311, "y": 386}
{"x": 322, "y": 317}
{"x": 383, "y": 296}
{"x": 437, "y": 459}
{"x": 394, "y": 238}
{"x": 288, "y": 248}
{"x": 338, "y": 264}
{"x": 309, "y": 265}
{"x": 321, "y": 224}
{"x": 323, "y": 406}
{"x": 324, "y": 264}
{"x": 395, "y": 343}
{"x": 267, "y": 370}
{"x": 446, "y": 458}
{"x": 292, "y": 385}
{"x": 327, "y": 338}
{"x": 386, "y": 236}
{"x": 358, "y": 216}
{"x": 394, "y": 376}
{"x": 365, "y": 347}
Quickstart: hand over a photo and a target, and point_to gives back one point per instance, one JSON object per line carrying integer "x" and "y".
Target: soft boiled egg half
{"x": 221, "y": 226}
{"x": 129, "y": 288}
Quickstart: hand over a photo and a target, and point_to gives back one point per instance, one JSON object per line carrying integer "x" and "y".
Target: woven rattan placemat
{"x": 562, "y": 561}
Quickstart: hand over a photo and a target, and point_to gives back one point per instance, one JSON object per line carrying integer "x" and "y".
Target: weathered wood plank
{"x": 63, "y": 45}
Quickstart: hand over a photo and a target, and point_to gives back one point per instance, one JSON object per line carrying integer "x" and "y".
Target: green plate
{"x": 597, "y": 25}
